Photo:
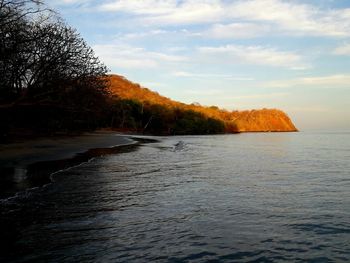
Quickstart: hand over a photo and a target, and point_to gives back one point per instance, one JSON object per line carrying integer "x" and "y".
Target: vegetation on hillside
{"x": 142, "y": 110}
{"x": 180, "y": 118}
{"x": 145, "y": 117}
{"x": 51, "y": 82}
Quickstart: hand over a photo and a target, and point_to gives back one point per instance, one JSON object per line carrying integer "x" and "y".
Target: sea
{"x": 250, "y": 197}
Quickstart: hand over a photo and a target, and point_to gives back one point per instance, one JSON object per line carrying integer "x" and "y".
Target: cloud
{"x": 332, "y": 81}
{"x": 159, "y": 33}
{"x": 137, "y": 35}
{"x": 124, "y": 56}
{"x": 342, "y": 50}
{"x": 145, "y": 7}
{"x": 203, "y": 75}
{"x": 316, "y": 109}
{"x": 177, "y": 49}
{"x": 284, "y": 16}
{"x": 255, "y": 55}
{"x": 237, "y": 30}
{"x": 204, "y": 93}
{"x": 67, "y": 2}
{"x": 168, "y": 11}
{"x": 261, "y": 96}
{"x": 294, "y": 17}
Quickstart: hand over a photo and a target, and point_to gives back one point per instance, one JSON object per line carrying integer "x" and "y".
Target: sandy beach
{"x": 21, "y": 154}
{"x": 28, "y": 164}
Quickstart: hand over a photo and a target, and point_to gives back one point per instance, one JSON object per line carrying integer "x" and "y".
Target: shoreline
{"x": 28, "y": 164}
{"x": 31, "y": 164}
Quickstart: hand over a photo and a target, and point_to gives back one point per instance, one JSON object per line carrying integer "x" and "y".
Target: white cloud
{"x": 159, "y": 34}
{"x": 67, "y": 2}
{"x": 294, "y": 17}
{"x": 149, "y": 7}
{"x": 123, "y": 56}
{"x": 237, "y": 30}
{"x": 342, "y": 50}
{"x": 177, "y": 49}
{"x": 255, "y": 55}
{"x": 137, "y": 35}
{"x": 260, "y": 96}
{"x": 203, "y": 75}
{"x": 204, "y": 93}
{"x": 169, "y": 11}
{"x": 332, "y": 81}
{"x": 284, "y": 16}
{"x": 316, "y": 109}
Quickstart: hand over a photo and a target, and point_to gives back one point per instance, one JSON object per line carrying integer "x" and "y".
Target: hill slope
{"x": 264, "y": 120}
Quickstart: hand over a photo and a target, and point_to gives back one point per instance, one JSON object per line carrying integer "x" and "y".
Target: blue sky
{"x": 239, "y": 54}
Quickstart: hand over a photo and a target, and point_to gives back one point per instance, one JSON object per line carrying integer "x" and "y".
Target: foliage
{"x": 172, "y": 117}
{"x": 162, "y": 115}
{"x": 45, "y": 64}
{"x": 43, "y": 58}
{"x": 151, "y": 118}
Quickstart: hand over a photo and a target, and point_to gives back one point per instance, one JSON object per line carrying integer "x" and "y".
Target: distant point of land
{"x": 263, "y": 120}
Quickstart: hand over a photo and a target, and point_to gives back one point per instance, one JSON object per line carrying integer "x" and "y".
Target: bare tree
{"x": 44, "y": 59}
{"x": 15, "y": 15}
{"x": 62, "y": 64}
{"x": 49, "y": 76}
{"x": 14, "y": 10}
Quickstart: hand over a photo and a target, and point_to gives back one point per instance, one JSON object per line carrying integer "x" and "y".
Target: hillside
{"x": 126, "y": 89}
{"x": 264, "y": 120}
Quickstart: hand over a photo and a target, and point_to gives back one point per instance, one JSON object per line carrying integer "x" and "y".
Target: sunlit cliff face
{"x": 263, "y": 120}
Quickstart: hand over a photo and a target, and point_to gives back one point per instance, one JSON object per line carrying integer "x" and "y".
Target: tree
{"x": 63, "y": 67}
{"x": 42, "y": 57}
{"x": 45, "y": 63}
{"x": 125, "y": 114}
{"x": 15, "y": 16}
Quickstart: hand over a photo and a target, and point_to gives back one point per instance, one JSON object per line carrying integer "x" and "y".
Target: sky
{"x": 293, "y": 55}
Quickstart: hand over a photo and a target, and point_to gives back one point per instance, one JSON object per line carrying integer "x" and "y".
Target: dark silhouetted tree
{"x": 43, "y": 61}
{"x": 15, "y": 42}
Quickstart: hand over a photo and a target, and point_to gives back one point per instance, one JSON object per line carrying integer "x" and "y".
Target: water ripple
{"x": 245, "y": 198}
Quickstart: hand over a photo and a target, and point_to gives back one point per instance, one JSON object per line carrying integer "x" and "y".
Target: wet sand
{"x": 28, "y": 164}
{"x": 21, "y": 154}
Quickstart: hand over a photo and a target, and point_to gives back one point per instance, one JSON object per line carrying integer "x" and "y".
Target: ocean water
{"x": 257, "y": 197}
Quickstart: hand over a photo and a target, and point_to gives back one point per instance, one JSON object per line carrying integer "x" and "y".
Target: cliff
{"x": 263, "y": 120}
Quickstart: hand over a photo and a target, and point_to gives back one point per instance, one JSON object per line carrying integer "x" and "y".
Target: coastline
{"x": 30, "y": 164}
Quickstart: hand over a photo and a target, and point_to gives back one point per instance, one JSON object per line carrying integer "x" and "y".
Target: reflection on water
{"x": 247, "y": 197}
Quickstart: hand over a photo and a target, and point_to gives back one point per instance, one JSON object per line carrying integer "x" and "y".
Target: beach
{"x": 29, "y": 163}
